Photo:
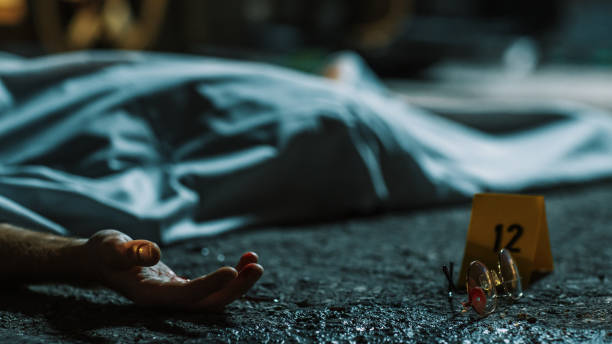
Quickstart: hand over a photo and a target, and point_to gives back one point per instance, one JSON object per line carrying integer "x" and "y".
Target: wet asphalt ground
{"x": 372, "y": 279}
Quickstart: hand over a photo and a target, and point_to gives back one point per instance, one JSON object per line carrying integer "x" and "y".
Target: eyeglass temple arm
{"x": 448, "y": 272}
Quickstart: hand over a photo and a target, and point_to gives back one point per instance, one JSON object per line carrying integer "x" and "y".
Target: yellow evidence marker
{"x": 514, "y": 222}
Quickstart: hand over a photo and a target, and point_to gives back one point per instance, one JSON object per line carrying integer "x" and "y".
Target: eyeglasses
{"x": 485, "y": 286}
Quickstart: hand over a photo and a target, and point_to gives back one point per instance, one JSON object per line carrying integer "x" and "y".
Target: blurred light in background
{"x": 396, "y": 37}
{"x": 12, "y": 12}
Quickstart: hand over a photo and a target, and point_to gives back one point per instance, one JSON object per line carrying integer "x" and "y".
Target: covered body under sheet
{"x": 170, "y": 147}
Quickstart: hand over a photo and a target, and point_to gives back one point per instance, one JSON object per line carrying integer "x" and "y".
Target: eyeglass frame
{"x": 498, "y": 281}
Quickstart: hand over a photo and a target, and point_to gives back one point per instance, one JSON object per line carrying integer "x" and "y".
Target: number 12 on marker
{"x": 514, "y": 222}
{"x": 510, "y": 246}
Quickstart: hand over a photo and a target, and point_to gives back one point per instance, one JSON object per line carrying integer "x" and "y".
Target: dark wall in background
{"x": 396, "y": 36}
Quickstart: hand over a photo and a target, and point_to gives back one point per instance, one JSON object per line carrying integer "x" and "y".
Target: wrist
{"x": 72, "y": 260}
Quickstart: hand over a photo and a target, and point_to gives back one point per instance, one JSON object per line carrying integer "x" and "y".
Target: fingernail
{"x": 144, "y": 252}
{"x": 250, "y": 255}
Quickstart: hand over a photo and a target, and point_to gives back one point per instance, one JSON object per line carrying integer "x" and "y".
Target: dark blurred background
{"x": 397, "y": 37}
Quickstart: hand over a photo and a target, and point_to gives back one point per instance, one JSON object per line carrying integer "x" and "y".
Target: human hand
{"x": 134, "y": 269}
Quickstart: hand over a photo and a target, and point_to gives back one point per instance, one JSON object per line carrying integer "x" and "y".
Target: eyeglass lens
{"x": 509, "y": 274}
{"x": 481, "y": 289}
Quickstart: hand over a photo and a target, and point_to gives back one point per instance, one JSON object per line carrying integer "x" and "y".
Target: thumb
{"x": 140, "y": 253}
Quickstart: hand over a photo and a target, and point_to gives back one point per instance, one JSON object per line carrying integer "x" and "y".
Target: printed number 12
{"x": 498, "y": 235}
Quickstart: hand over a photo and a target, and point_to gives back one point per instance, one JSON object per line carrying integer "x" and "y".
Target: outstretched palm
{"x": 133, "y": 268}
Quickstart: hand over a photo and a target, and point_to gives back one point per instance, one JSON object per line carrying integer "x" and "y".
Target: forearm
{"x": 28, "y": 256}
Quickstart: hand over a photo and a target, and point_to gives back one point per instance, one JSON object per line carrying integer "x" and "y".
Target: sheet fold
{"x": 170, "y": 147}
